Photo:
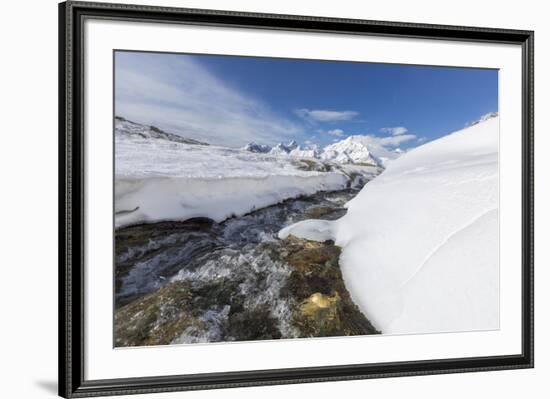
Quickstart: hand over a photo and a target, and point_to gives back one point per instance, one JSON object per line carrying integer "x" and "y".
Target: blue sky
{"x": 231, "y": 101}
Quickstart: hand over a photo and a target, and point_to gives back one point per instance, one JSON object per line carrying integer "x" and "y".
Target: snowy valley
{"x": 161, "y": 176}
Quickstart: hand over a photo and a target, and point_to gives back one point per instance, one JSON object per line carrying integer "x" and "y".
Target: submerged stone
{"x": 319, "y": 315}
{"x": 317, "y": 212}
{"x": 156, "y": 319}
{"x": 254, "y": 324}
{"x": 325, "y": 306}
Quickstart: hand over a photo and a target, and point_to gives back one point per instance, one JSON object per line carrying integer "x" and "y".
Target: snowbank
{"x": 420, "y": 242}
{"x": 159, "y": 179}
{"x": 181, "y": 198}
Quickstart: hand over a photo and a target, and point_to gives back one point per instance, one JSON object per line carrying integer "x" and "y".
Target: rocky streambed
{"x": 200, "y": 281}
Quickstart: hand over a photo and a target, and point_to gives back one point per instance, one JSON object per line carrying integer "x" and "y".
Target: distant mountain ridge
{"x": 284, "y": 148}
{"x": 292, "y": 148}
{"x": 126, "y": 127}
{"x": 351, "y": 150}
{"x": 358, "y": 150}
{"x": 257, "y": 148}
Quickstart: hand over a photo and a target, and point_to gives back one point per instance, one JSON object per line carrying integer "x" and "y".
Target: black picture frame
{"x": 71, "y": 199}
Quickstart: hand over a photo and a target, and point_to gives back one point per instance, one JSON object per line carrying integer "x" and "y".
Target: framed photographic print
{"x": 252, "y": 199}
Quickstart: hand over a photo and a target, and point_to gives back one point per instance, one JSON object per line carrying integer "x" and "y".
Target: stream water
{"x": 199, "y": 281}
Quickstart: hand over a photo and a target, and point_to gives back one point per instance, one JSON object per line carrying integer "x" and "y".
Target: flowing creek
{"x": 199, "y": 281}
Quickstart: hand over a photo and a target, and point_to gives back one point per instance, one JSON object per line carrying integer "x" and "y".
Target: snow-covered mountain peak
{"x": 356, "y": 149}
{"x": 257, "y": 148}
{"x": 292, "y": 145}
{"x": 279, "y": 149}
{"x": 353, "y": 149}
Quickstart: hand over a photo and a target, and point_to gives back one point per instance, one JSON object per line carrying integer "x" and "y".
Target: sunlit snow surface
{"x": 420, "y": 242}
{"x": 158, "y": 179}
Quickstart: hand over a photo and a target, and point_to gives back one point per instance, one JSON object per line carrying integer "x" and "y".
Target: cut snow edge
{"x": 172, "y": 199}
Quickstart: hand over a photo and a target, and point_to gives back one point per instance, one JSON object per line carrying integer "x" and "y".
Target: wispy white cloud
{"x": 395, "y": 131}
{"x": 320, "y": 115}
{"x": 384, "y": 147}
{"x": 393, "y": 141}
{"x": 381, "y": 144}
{"x": 336, "y": 132}
{"x": 178, "y": 94}
{"x": 387, "y": 142}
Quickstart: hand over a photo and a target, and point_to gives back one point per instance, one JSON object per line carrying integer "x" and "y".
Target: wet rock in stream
{"x": 326, "y": 308}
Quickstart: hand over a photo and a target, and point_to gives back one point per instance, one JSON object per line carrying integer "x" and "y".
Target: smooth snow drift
{"x": 420, "y": 242}
{"x": 158, "y": 178}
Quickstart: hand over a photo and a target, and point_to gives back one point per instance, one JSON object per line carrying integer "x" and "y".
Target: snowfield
{"x": 420, "y": 242}
{"x": 159, "y": 177}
